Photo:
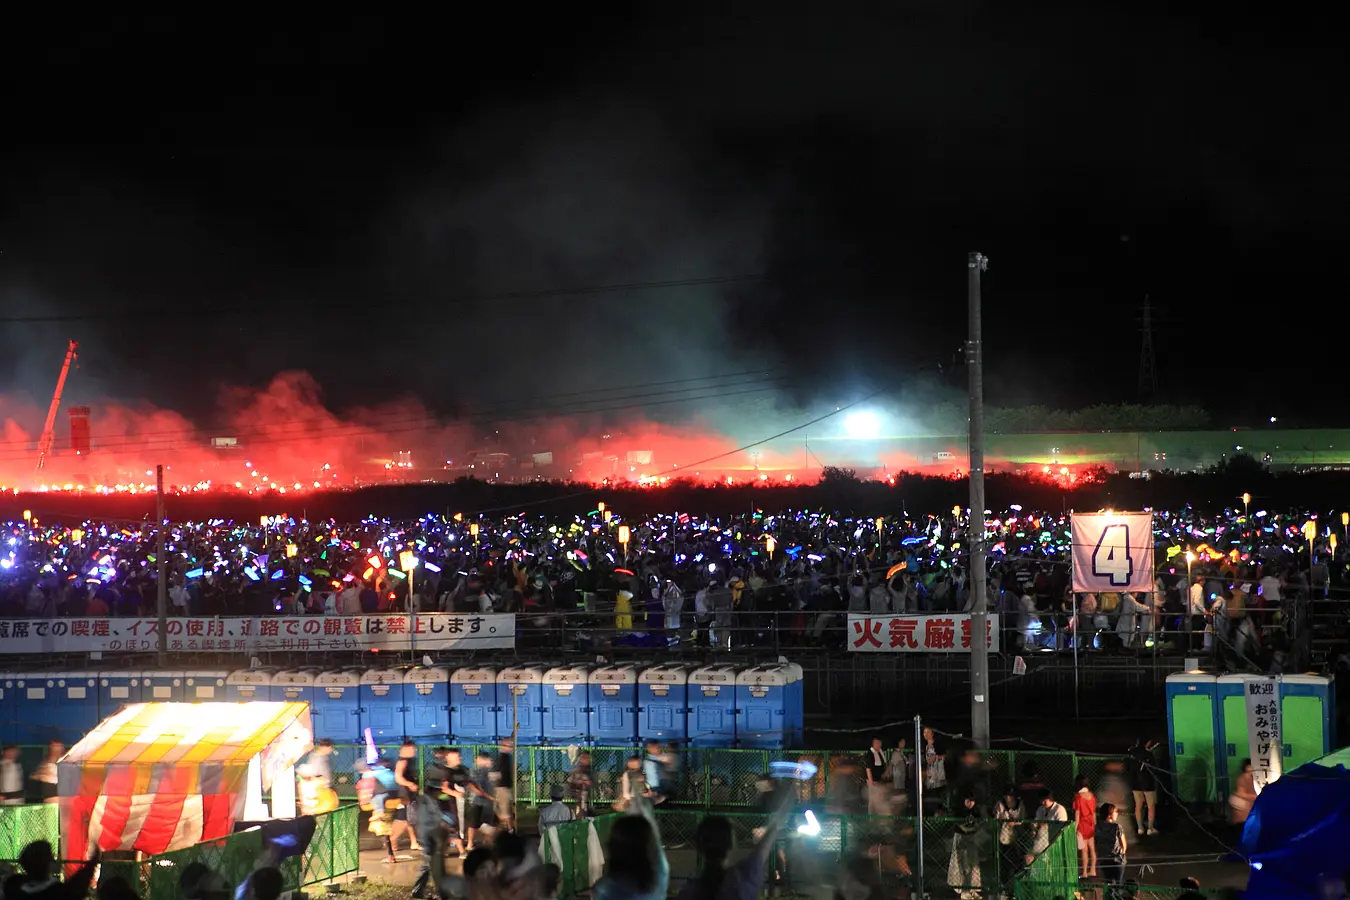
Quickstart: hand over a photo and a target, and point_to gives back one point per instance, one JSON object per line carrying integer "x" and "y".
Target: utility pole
{"x": 976, "y": 263}
{"x": 1148, "y": 369}
{"x": 161, "y": 559}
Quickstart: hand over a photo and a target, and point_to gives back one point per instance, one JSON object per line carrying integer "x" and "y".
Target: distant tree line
{"x": 951, "y": 418}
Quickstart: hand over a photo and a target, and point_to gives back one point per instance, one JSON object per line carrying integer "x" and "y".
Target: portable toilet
{"x": 38, "y": 707}
{"x": 162, "y": 687}
{"x": 426, "y": 702}
{"x": 1193, "y": 735}
{"x": 519, "y": 701}
{"x": 565, "y": 706}
{"x": 244, "y": 685}
{"x": 205, "y": 685}
{"x": 76, "y": 704}
{"x": 294, "y": 686}
{"x": 712, "y": 706}
{"x": 796, "y": 704}
{"x": 1306, "y": 732}
{"x": 9, "y": 717}
{"x": 473, "y": 705}
{"x": 381, "y": 698}
{"x": 336, "y": 708}
{"x": 762, "y": 720}
{"x": 663, "y": 704}
{"x": 612, "y": 693}
{"x": 116, "y": 690}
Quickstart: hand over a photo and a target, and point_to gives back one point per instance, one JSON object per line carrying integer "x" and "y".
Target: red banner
{"x": 930, "y": 633}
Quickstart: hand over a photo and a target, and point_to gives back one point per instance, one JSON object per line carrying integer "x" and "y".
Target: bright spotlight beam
{"x": 863, "y": 424}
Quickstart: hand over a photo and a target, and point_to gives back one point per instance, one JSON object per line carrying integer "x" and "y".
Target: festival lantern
{"x": 770, "y": 545}
{"x": 624, "y": 535}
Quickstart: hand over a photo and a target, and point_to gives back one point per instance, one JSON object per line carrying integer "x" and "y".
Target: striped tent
{"x": 162, "y": 776}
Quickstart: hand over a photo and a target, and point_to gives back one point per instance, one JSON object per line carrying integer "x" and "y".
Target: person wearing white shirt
{"x": 1048, "y": 811}
{"x": 349, "y": 601}
{"x": 1197, "y": 610}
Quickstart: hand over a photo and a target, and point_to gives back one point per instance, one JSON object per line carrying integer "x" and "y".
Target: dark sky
{"x": 229, "y": 198}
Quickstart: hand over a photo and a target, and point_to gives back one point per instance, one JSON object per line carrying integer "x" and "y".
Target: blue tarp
{"x": 1298, "y": 833}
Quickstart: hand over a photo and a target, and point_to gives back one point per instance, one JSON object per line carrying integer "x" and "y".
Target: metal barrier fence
{"x": 333, "y": 851}
{"x": 959, "y": 854}
{"x": 725, "y": 778}
{"x": 21, "y": 825}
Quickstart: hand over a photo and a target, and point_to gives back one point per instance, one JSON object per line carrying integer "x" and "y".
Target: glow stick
{"x": 372, "y": 753}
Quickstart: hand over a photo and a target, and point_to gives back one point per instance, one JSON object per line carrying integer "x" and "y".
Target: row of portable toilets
{"x": 1208, "y": 733}
{"x": 712, "y": 706}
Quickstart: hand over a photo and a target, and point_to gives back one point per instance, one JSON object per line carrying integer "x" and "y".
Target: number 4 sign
{"x": 1112, "y": 552}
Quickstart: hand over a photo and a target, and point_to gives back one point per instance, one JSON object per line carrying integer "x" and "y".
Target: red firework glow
{"x": 284, "y": 440}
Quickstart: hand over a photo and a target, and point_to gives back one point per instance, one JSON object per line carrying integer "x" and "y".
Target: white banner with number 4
{"x": 1112, "y": 552}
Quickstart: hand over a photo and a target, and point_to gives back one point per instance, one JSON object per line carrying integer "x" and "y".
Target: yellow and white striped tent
{"x": 161, "y": 776}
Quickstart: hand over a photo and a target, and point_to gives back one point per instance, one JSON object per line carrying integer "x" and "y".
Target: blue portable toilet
{"x": 612, "y": 692}
{"x": 565, "y": 706}
{"x": 244, "y": 685}
{"x": 204, "y": 685}
{"x": 336, "y": 707}
{"x": 426, "y": 702}
{"x": 712, "y": 706}
{"x": 76, "y": 704}
{"x": 520, "y": 694}
{"x": 162, "y": 687}
{"x": 294, "y": 686}
{"x": 762, "y": 720}
{"x": 1306, "y": 727}
{"x": 381, "y": 694}
{"x": 473, "y": 705}
{"x": 1193, "y": 735}
{"x": 40, "y": 715}
{"x": 796, "y": 706}
{"x": 9, "y": 717}
{"x": 116, "y": 690}
{"x": 663, "y": 704}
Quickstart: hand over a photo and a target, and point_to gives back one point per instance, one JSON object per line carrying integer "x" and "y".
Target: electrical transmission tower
{"x": 1148, "y": 370}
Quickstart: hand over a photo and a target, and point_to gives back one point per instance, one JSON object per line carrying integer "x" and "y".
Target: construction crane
{"x": 49, "y": 429}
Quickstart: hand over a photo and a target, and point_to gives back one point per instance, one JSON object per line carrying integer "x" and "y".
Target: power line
{"x": 273, "y": 311}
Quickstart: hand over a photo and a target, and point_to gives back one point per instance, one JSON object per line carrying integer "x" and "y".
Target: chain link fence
{"x": 21, "y": 825}
{"x": 958, "y": 854}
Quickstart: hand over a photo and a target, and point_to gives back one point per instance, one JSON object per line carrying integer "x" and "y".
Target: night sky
{"x": 387, "y": 204}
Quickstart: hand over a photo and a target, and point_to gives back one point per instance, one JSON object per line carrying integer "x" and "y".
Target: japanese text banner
{"x": 434, "y": 631}
{"x": 933, "y": 633}
{"x": 1263, "y": 728}
{"x": 1112, "y": 552}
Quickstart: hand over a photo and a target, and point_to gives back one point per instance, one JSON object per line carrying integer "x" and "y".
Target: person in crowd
{"x": 1144, "y": 785}
{"x": 636, "y": 865}
{"x": 1111, "y": 844}
{"x": 11, "y": 776}
{"x": 965, "y": 864}
{"x": 405, "y": 777}
{"x": 1008, "y": 810}
{"x": 480, "y": 810}
{"x": 634, "y": 792}
{"x": 38, "y": 880}
{"x": 504, "y": 784}
{"x": 878, "y": 792}
{"x": 745, "y": 880}
{"x": 42, "y": 783}
{"x": 1085, "y": 821}
{"x": 579, "y": 782}
{"x": 557, "y": 812}
{"x": 446, "y": 779}
{"x": 1243, "y": 796}
{"x": 1047, "y": 811}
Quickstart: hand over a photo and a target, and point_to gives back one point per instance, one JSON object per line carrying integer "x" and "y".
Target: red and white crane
{"x": 49, "y": 429}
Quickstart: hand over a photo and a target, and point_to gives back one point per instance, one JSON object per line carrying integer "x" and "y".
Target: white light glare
{"x": 811, "y": 828}
{"x": 862, "y": 425}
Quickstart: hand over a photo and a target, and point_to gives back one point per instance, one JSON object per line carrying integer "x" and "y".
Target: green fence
{"x": 21, "y": 825}
{"x": 958, "y": 854}
{"x": 333, "y": 851}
